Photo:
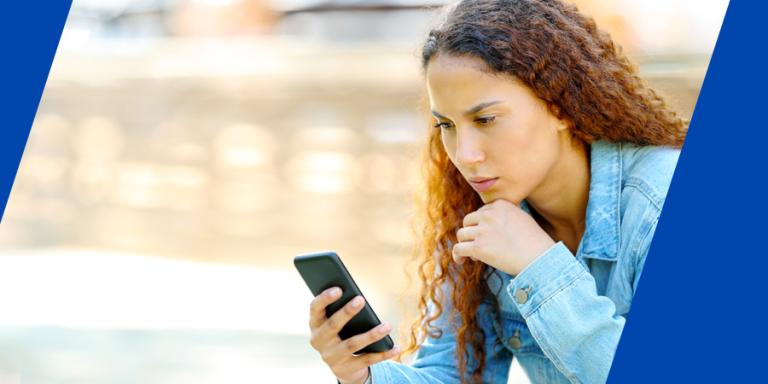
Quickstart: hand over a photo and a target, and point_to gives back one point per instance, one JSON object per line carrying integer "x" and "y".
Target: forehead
{"x": 463, "y": 81}
{"x": 447, "y": 68}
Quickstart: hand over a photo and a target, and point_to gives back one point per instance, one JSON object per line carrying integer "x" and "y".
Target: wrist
{"x": 363, "y": 380}
{"x": 535, "y": 253}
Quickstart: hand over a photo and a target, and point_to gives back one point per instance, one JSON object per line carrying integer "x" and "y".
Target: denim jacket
{"x": 562, "y": 316}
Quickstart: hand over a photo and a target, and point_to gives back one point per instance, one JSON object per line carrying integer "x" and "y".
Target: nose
{"x": 468, "y": 148}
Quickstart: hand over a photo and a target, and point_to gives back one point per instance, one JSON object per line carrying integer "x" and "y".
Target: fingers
{"x": 471, "y": 219}
{"x": 338, "y": 320}
{"x": 466, "y": 233}
{"x": 463, "y": 250}
{"x": 344, "y": 350}
{"x": 318, "y": 304}
{"x": 339, "y": 354}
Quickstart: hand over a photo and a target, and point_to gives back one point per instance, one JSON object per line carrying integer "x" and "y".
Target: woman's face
{"x": 496, "y": 131}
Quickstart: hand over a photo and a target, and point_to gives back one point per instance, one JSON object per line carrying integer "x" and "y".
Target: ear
{"x": 564, "y": 125}
{"x": 560, "y": 123}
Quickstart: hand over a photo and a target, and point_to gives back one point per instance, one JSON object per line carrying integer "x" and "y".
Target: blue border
{"x": 29, "y": 34}
{"x": 697, "y": 316}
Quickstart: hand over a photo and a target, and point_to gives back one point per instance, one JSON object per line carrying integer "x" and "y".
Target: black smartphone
{"x": 324, "y": 270}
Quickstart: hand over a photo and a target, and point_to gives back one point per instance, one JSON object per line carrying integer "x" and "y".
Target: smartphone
{"x": 324, "y": 270}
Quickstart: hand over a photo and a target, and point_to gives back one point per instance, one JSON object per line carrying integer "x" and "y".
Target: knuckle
{"x": 313, "y": 341}
{"x": 374, "y": 335}
{"x": 351, "y": 346}
{"x": 334, "y": 323}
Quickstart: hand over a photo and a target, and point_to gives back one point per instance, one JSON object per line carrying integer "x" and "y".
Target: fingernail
{"x": 384, "y": 328}
{"x": 357, "y": 302}
{"x": 333, "y": 292}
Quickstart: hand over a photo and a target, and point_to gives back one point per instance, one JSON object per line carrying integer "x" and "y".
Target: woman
{"x": 546, "y": 171}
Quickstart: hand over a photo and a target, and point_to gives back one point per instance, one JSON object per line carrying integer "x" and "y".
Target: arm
{"x": 435, "y": 361}
{"x": 577, "y": 329}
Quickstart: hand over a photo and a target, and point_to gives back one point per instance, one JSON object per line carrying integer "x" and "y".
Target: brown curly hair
{"x": 585, "y": 80}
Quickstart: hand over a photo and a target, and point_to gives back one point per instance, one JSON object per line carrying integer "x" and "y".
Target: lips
{"x": 482, "y": 184}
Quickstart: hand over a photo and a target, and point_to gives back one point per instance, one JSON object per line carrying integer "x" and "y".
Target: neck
{"x": 560, "y": 201}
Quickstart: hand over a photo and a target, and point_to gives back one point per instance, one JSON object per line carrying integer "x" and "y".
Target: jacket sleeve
{"x": 435, "y": 361}
{"x": 577, "y": 329}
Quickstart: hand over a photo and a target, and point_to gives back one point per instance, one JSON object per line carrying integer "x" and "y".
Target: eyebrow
{"x": 475, "y": 109}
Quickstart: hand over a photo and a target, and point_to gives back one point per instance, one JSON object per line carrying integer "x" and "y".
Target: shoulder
{"x": 648, "y": 171}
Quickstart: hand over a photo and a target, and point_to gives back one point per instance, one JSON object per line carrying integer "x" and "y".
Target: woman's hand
{"x": 337, "y": 353}
{"x": 501, "y": 235}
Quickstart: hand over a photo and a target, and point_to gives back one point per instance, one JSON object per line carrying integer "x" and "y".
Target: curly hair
{"x": 585, "y": 80}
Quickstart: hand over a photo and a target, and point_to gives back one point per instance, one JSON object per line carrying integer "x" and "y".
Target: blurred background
{"x": 185, "y": 150}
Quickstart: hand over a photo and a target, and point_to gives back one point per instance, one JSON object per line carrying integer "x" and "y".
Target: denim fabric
{"x": 567, "y": 327}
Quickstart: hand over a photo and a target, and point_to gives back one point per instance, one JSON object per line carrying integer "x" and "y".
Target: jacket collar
{"x": 601, "y": 237}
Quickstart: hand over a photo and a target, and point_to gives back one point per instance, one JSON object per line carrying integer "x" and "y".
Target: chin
{"x": 490, "y": 197}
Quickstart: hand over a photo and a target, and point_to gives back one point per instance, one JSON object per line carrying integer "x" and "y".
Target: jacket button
{"x": 514, "y": 342}
{"x": 521, "y": 295}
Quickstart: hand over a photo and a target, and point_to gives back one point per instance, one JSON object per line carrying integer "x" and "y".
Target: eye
{"x": 485, "y": 120}
{"x": 442, "y": 125}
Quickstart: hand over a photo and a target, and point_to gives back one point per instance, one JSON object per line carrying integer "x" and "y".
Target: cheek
{"x": 527, "y": 150}
{"x": 540, "y": 133}
{"x": 542, "y": 156}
